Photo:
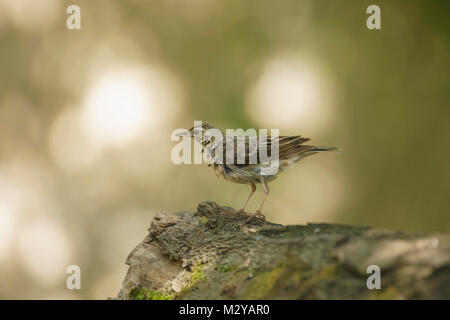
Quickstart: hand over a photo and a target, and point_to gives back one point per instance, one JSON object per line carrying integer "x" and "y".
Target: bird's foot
{"x": 234, "y": 212}
{"x": 240, "y": 211}
{"x": 257, "y": 215}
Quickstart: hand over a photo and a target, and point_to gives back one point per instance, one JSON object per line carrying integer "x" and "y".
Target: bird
{"x": 238, "y": 167}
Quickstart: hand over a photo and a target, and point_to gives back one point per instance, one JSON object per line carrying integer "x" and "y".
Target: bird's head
{"x": 198, "y": 132}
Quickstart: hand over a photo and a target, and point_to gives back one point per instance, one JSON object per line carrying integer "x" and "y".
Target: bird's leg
{"x": 246, "y": 202}
{"x": 258, "y": 213}
{"x": 210, "y": 162}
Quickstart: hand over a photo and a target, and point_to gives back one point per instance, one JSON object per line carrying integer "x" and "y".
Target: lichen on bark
{"x": 216, "y": 254}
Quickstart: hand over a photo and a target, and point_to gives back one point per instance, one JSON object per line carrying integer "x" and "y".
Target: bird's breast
{"x": 238, "y": 174}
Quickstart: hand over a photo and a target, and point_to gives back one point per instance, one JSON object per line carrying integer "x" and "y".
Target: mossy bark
{"x": 216, "y": 254}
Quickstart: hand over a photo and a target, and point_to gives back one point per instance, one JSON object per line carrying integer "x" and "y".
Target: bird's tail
{"x": 323, "y": 148}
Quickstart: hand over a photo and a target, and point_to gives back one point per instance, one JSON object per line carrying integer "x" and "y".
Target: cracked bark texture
{"x": 215, "y": 254}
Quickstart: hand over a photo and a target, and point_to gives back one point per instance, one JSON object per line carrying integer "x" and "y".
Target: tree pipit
{"x": 251, "y": 159}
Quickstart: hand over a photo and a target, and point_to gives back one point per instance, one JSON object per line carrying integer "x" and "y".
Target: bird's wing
{"x": 257, "y": 150}
{"x": 292, "y": 146}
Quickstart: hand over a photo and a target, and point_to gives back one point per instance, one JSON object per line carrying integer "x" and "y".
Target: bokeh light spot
{"x": 117, "y": 107}
{"x": 31, "y": 15}
{"x": 290, "y": 94}
{"x": 45, "y": 250}
{"x": 70, "y": 147}
{"x": 7, "y": 225}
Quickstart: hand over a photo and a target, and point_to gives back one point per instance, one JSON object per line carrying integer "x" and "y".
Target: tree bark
{"x": 216, "y": 254}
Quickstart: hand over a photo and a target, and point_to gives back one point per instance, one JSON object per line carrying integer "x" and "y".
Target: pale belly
{"x": 238, "y": 174}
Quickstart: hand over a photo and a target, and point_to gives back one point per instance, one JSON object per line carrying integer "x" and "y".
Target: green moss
{"x": 327, "y": 272}
{"x": 291, "y": 277}
{"x": 203, "y": 219}
{"x": 144, "y": 294}
{"x": 225, "y": 268}
{"x": 390, "y": 293}
{"x": 263, "y": 282}
{"x": 197, "y": 276}
{"x": 197, "y": 273}
{"x": 235, "y": 281}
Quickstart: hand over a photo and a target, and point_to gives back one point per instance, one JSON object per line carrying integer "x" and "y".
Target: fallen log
{"x": 216, "y": 254}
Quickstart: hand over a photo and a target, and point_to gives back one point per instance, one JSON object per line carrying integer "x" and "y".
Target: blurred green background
{"x": 86, "y": 117}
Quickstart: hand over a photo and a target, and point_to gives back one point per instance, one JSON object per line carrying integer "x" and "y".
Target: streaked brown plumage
{"x": 240, "y": 168}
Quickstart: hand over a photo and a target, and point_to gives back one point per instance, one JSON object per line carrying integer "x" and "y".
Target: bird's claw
{"x": 234, "y": 212}
{"x": 257, "y": 215}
